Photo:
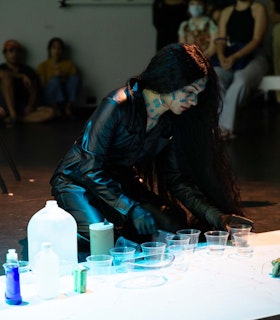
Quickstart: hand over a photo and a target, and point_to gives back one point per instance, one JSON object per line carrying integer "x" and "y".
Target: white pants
{"x": 236, "y": 85}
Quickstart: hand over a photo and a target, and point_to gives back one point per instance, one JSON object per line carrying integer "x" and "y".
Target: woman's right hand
{"x": 225, "y": 62}
{"x": 143, "y": 220}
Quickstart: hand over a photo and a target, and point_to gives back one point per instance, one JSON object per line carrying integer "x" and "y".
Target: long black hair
{"x": 201, "y": 148}
{"x": 174, "y": 67}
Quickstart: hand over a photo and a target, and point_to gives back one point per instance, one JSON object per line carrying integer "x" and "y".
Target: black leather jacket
{"x": 115, "y": 137}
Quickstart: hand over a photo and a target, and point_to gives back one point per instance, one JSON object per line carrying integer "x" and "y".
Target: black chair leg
{"x": 11, "y": 164}
{"x": 3, "y": 185}
{"x": 9, "y": 159}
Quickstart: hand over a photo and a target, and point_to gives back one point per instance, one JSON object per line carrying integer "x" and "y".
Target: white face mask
{"x": 195, "y": 10}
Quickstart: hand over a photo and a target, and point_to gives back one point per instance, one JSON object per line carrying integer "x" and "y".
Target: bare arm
{"x": 181, "y": 32}
{"x": 8, "y": 92}
{"x": 222, "y": 34}
{"x": 32, "y": 89}
{"x": 211, "y": 50}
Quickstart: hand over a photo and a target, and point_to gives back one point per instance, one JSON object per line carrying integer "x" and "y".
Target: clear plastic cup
{"x": 243, "y": 243}
{"x": 122, "y": 255}
{"x": 99, "y": 264}
{"x": 153, "y": 250}
{"x": 240, "y": 228}
{"x": 216, "y": 241}
{"x": 194, "y": 236}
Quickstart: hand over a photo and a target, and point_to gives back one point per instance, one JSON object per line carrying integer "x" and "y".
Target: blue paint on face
{"x": 156, "y": 103}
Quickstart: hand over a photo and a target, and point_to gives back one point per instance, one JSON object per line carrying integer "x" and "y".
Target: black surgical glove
{"x": 143, "y": 221}
{"x": 226, "y": 219}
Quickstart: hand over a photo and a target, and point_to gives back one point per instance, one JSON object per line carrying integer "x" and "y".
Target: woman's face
{"x": 196, "y": 8}
{"x": 56, "y": 50}
{"x": 12, "y": 55}
{"x": 183, "y": 99}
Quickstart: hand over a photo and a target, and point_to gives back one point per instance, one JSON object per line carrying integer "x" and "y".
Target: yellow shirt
{"x": 47, "y": 69}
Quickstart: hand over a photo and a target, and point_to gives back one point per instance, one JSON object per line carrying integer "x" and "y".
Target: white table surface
{"x": 227, "y": 287}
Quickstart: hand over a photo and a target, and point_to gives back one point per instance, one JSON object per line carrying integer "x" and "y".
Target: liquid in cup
{"x": 241, "y": 228}
{"x": 243, "y": 243}
{"x": 216, "y": 241}
{"x": 122, "y": 255}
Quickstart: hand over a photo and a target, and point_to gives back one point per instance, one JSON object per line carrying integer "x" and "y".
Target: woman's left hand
{"x": 226, "y": 219}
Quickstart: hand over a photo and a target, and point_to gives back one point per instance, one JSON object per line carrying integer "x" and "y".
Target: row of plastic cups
{"x": 241, "y": 238}
{"x": 217, "y": 240}
{"x": 151, "y": 256}
{"x": 121, "y": 257}
{"x": 151, "y": 251}
{"x": 179, "y": 245}
{"x": 184, "y": 241}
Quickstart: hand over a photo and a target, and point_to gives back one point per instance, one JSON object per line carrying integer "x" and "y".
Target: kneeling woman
{"x": 151, "y": 154}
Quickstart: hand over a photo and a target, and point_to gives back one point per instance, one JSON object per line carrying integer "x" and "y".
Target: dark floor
{"x": 37, "y": 148}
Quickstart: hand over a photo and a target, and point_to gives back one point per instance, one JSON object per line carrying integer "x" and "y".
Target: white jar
{"x": 55, "y": 225}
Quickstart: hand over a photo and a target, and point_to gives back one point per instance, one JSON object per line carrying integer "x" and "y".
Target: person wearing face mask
{"x": 151, "y": 156}
{"x": 199, "y": 29}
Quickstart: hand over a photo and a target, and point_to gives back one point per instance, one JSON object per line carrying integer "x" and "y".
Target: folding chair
{"x": 269, "y": 83}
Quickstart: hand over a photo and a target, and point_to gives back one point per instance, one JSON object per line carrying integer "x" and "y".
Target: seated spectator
{"x": 199, "y": 29}
{"x": 19, "y": 84}
{"x": 58, "y": 78}
{"x": 242, "y": 62}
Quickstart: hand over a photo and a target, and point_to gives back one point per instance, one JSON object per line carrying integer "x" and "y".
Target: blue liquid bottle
{"x": 12, "y": 293}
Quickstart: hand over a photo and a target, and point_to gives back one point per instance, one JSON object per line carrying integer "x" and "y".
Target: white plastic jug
{"x": 55, "y": 225}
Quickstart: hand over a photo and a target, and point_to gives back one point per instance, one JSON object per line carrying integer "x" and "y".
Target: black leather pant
{"x": 87, "y": 209}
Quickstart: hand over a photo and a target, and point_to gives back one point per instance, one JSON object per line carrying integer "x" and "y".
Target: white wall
{"x": 109, "y": 43}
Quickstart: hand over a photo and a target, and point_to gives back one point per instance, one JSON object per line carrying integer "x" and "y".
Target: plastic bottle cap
{"x": 12, "y": 255}
{"x": 51, "y": 203}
